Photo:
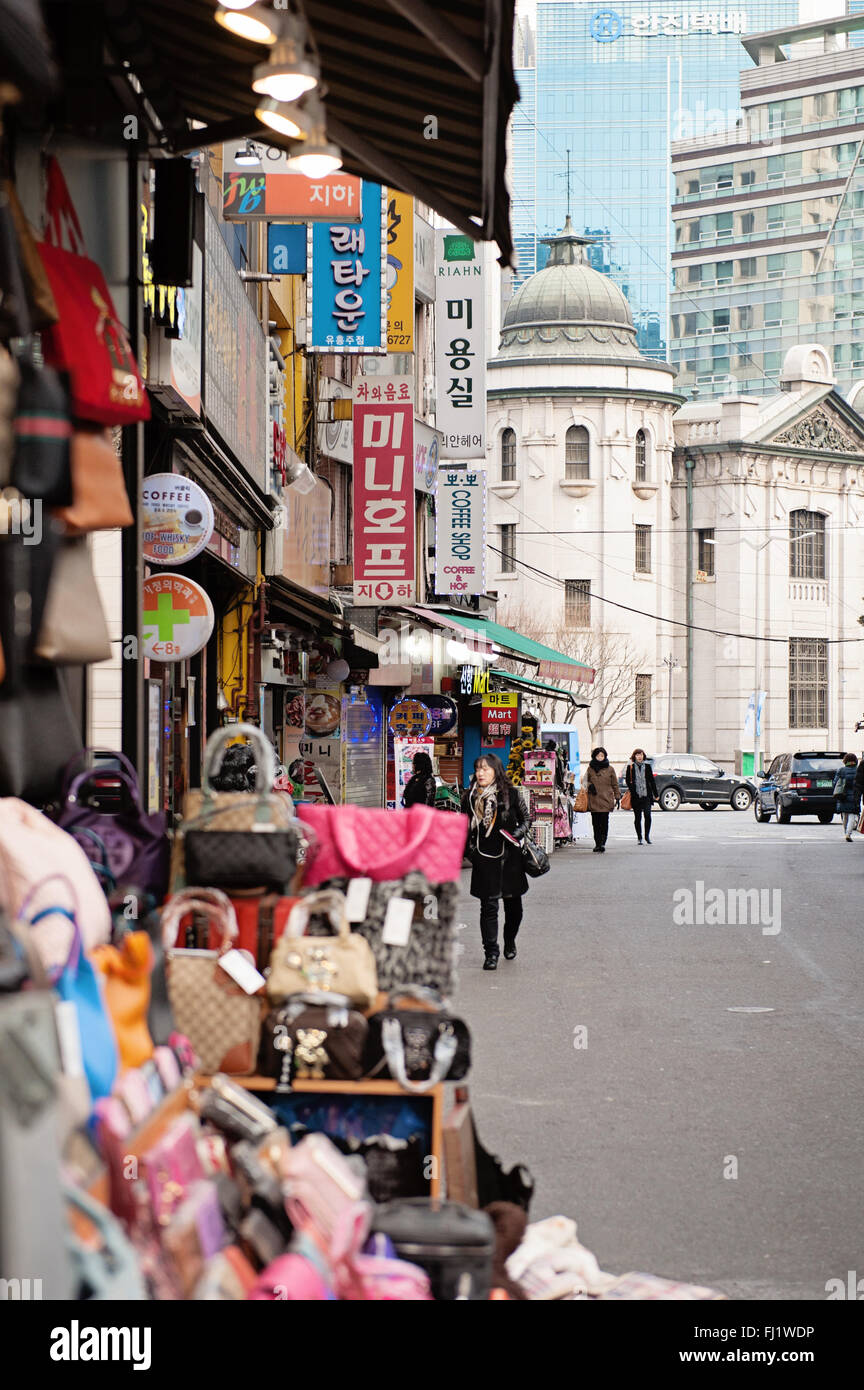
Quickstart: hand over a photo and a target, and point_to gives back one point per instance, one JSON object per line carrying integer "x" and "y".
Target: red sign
{"x": 383, "y": 490}
{"x": 334, "y": 198}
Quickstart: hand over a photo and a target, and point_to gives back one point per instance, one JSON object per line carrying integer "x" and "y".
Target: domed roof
{"x": 568, "y": 309}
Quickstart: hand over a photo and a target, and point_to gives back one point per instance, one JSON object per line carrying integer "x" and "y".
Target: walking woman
{"x": 643, "y": 792}
{"x": 846, "y": 794}
{"x": 495, "y": 806}
{"x": 604, "y": 795}
{"x": 420, "y": 788}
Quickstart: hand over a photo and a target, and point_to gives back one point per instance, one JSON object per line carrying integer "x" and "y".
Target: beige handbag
{"x": 222, "y": 1021}
{"x": 74, "y": 631}
{"x": 342, "y": 964}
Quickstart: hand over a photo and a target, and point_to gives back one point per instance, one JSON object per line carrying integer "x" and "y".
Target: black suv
{"x": 689, "y": 777}
{"x": 798, "y": 784}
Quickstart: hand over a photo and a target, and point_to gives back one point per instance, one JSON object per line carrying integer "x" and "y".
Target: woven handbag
{"x": 343, "y": 963}
{"x": 222, "y": 1021}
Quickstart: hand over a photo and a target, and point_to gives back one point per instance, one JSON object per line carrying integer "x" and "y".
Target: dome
{"x": 568, "y": 309}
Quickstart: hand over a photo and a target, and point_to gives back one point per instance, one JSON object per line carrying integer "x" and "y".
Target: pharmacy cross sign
{"x": 177, "y": 620}
{"x": 167, "y": 616}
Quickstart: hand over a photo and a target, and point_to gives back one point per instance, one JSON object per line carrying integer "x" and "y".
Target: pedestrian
{"x": 421, "y": 787}
{"x": 604, "y": 795}
{"x": 643, "y": 792}
{"x": 498, "y": 824}
{"x": 847, "y": 793}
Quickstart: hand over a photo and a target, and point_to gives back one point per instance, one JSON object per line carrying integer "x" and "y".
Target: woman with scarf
{"x": 601, "y": 782}
{"x": 643, "y": 792}
{"x": 498, "y": 818}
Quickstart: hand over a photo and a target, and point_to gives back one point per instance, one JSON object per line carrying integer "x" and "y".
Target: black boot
{"x": 509, "y": 950}
{"x": 491, "y": 961}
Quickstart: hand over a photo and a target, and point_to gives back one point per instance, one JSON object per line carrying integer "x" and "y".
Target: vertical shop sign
{"x": 400, "y": 272}
{"x": 460, "y": 531}
{"x": 404, "y": 750}
{"x": 346, "y": 302}
{"x": 383, "y": 490}
{"x": 460, "y": 351}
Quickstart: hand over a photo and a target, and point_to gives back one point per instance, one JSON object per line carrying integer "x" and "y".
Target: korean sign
{"x": 460, "y": 350}
{"x": 500, "y": 713}
{"x": 345, "y": 301}
{"x": 269, "y": 190}
{"x": 383, "y": 490}
{"x": 178, "y": 617}
{"x": 460, "y": 531}
{"x": 400, "y": 272}
{"x": 607, "y": 25}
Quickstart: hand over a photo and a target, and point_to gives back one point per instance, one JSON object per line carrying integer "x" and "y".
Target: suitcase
{"x": 452, "y": 1242}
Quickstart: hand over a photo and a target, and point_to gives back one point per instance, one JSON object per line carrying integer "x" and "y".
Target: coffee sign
{"x": 176, "y": 519}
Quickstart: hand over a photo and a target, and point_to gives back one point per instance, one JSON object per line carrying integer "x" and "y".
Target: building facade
{"x": 769, "y": 240}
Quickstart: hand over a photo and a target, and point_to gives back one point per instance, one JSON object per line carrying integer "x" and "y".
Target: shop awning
{"x": 307, "y": 608}
{"x": 530, "y": 650}
{"x": 448, "y": 623}
{"x": 537, "y": 687}
{"x": 387, "y": 66}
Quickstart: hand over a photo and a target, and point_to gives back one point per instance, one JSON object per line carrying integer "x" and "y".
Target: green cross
{"x": 166, "y": 618}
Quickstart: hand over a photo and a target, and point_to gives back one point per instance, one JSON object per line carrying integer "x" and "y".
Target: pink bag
{"x": 324, "y": 1197}
{"x": 354, "y": 841}
{"x": 377, "y": 1279}
{"x": 294, "y": 1278}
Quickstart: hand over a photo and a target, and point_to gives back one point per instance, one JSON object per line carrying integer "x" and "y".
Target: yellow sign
{"x": 400, "y": 272}
{"x": 500, "y": 699}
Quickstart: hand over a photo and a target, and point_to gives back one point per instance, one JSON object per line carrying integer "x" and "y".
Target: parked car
{"x": 688, "y": 777}
{"x": 797, "y": 784}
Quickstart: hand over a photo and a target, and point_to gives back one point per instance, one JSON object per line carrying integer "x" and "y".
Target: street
{"x": 619, "y": 1058}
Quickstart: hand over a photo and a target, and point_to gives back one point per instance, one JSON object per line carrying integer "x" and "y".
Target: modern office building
{"x": 614, "y": 85}
{"x": 769, "y": 219}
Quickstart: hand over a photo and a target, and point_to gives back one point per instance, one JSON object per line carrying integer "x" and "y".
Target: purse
{"x": 343, "y": 963}
{"x": 99, "y": 500}
{"x": 325, "y": 1198}
{"x": 312, "y": 1040}
{"x": 235, "y": 1111}
{"x": 222, "y": 1021}
{"x": 88, "y": 340}
{"x": 535, "y": 860}
{"x": 626, "y": 801}
{"x": 417, "y": 1048}
{"x": 136, "y": 843}
{"x": 38, "y": 735}
{"x": 428, "y": 957}
{"x": 356, "y": 841}
{"x": 580, "y": 801}
{"x": 74, "y": 631}
{"x": 126, "y": 976}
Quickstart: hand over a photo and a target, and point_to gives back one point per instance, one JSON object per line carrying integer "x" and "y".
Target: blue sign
{"x": 345, "y": 305}
{"x": 606, "y": 26}
{"x": 286, "y": 248}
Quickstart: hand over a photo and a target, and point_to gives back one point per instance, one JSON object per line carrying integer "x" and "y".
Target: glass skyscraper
{"x": 615, "y": 84}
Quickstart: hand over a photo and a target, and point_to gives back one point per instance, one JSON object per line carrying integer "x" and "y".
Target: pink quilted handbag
{"x": 354, "y": 841}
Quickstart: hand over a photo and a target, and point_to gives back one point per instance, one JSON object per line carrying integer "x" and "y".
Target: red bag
{"x": 88, "y": 341}
{"x": 260, "y": 921}
{"x": 354, "y": 841}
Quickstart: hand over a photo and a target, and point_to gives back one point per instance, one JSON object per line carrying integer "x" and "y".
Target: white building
{"x": 588, "y": 520}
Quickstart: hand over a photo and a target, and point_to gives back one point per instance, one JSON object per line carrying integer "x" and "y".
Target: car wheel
{"x": 670, "y": 799}
{"x": 826, "y": 817}
{"x": 784, "y": 815}
{"x": 741, "y": 799}
{"x": 759, "y": 812}
{"x": 708, "y": 805}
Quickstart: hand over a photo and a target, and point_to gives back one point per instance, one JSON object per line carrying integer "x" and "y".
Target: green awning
{"x": 537, "y": 687}
{"x": 526, "y": 647}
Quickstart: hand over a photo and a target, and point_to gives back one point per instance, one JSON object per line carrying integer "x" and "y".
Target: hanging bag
{"x": 135, "y": 841}
{"x": 88, "y": 341}
{"x": 73, "y": 631}
{"x": 342, "y": 963}
{"x": 125, "y": 970}
{"x": 352, "y": 841}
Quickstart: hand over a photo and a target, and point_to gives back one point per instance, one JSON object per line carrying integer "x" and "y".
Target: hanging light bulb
{"x": 288, "y": 72}
{"x": 254, "y": 22}
{"x": 281, "y": 117}
{"x": 249, "y": 155}
{"x": 319, "y": 157}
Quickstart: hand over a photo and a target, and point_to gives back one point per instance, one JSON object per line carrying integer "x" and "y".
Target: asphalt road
{"x": 630, "y": 1126}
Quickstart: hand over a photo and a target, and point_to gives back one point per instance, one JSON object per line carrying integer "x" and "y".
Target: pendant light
{"x": 288, "y": 73}
{"x": 255, "y": 22}
{"x": 248, "y": 156}
{"x": 280, "y": 116}
{"x": 318, "y": 157}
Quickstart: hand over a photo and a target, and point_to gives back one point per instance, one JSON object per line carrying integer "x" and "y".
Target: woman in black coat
{"x": 494, "y": 805}
{"x": 643, "y": 792}
{"x": 420, "y": 788}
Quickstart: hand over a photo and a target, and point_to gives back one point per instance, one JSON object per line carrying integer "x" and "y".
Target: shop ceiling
{"x": 387, "y": 67}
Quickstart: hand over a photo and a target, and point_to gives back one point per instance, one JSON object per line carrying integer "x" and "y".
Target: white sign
{"x": 176, "y": 519}
{"x": 460, "y": 346}
{"x": 424, "y": 259}
{"x": 460, "y": 531}
{"x": 178, "y": 617}
{"x": 427, "y": 451}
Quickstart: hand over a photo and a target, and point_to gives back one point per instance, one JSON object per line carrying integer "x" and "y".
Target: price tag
{"x": 243, "y": 972}
{"x": 357, "y": 898}
{"x": 69, "y": 1037}
{"x": 397, "y": 922}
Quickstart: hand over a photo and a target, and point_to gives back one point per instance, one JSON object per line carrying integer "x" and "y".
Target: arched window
{"x": 641, "y": 457}
{"x": 577, "y": 453}
{"x": 806, "y": 545}
{"x": 508, "y": 456}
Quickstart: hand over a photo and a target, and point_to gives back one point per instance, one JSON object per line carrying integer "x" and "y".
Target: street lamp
{"x": 671, "y": 663}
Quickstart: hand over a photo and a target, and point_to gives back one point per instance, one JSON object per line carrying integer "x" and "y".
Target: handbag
{"x": 38, "y": 735}
{"x": 88, "y": 340}
{"x": 343, "y": 963}
{"x": 40, "y": 305}
{"x": 626, "y": 801}
{"x": 99, "y": 500}
{"x": 313, "y": 1040}
{"x": 222, "y": 1021}
{"x": 352, "y": 841}
{"x": 580, "y": 801}
{"x": 237, "y": 839}
{"x": 111, "y": 1270}
{"x": 136, "y": 843}
{"x": 325, "y": 1198}
{"x": 417, "y": 1048}
{"x": 74, "y": 631}
{"x": 535, "y": 860}
{"x": 126, "y": 979}
{"x": 428, "y": 957}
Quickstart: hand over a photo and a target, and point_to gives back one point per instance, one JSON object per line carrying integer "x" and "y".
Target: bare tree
{"x": 615, "y": 660}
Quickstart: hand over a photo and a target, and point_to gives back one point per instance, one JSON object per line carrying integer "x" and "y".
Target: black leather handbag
{"x": 37, "y": 736}
{"x": 242, "y": 858}
{"x": 417, "y": 1048}
{"x": 535, "y": 860}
